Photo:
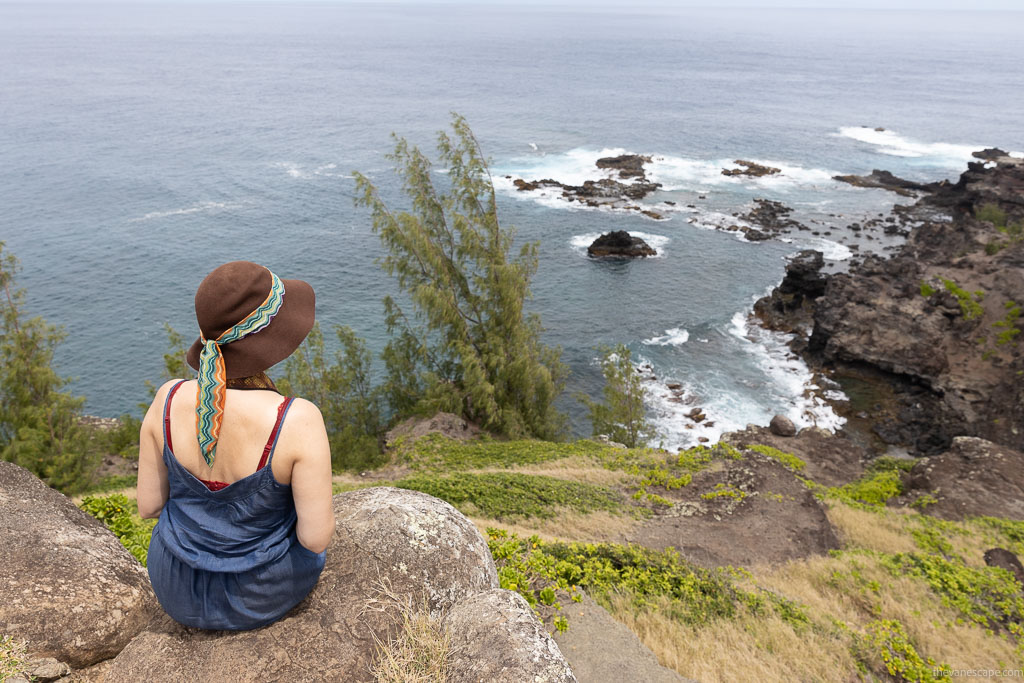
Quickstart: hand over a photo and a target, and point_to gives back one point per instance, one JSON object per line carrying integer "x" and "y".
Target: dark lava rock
{"x": 886, "y": 181}
{"x": 628, "y": 165}
{"x": 750, "y": 168}
{"x": 782, "y": 426}
{"x": 620, "y": 244}
{"x": 786, "y": 307}
{"x": 772, "y": 216}
{"x": 974, "y": 478}
{"x": 989, "y": 154}
{"x": 1004, "y": 559}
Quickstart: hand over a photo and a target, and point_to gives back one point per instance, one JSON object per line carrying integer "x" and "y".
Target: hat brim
{"x": 257, "y": 352}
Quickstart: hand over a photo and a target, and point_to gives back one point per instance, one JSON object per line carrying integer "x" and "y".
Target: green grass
{"x": 873, "y": 490}
{"x": 435, "y": 452}
{"x": 509, "y": 495}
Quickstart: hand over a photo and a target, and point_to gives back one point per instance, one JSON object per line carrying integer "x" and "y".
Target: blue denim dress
{"x": 229, "y": 559}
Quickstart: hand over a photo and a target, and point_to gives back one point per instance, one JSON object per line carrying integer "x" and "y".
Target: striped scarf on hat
{"x": 212, "y": 373}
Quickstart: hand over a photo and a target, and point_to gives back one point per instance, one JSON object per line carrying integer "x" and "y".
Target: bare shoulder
{"x": 306, "y": 413}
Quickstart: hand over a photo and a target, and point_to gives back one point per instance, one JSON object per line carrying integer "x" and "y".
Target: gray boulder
{"x": 497, "y": 637}
{"x": 404, "y": 543}
{"x": 67, "y": 586}
{"x": 782, "y": 426}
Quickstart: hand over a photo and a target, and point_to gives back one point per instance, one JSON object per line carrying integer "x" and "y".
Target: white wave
{"x": 831, "y": 251}
{"x": 295, "y": 170}
{"x": 892, "y": 143}
{"x": 195, "y": 208}
{"x": 579, "y": 243}
{"x": 793, "y": 387}
{"x": 672, "y": 337}
{"x": 576, "y": 166}
{"x": 291, "y": 168}
{"x": 533, "y": 146}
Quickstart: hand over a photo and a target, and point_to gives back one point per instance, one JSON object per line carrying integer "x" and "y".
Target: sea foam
{"x": 893, "y": 144}
{"x": 673, "y": 337}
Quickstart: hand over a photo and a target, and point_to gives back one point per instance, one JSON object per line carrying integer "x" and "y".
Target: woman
{"x": 239, "y": 477}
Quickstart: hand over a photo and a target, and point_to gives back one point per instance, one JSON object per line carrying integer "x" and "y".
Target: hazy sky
{"x": 1017, "y": 5}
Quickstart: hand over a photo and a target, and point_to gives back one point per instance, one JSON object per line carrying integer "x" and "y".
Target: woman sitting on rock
{"x": 239, "y": 477}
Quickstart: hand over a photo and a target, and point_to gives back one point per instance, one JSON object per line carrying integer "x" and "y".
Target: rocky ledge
{"x": 620, "y": 244}
{"x": 926, "y": 342}
{"x": 70, "y": 590}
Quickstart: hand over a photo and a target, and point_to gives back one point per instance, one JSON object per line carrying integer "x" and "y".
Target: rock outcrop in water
{"x": 932, "y": 329}
{"x": 885, "y": 180}
{"x": 751, "y": 169}
{"x": 620, "y": 244}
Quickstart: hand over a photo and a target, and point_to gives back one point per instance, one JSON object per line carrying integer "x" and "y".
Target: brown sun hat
{"x": 233, "y": 291}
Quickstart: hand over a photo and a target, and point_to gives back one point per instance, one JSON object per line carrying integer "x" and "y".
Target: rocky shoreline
{"x": 925, "y": 341}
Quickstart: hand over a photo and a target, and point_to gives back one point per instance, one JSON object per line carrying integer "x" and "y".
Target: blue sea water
{"x": 144, "y": 144}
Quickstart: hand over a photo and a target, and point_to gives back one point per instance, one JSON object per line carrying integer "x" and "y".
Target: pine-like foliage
{"x": 468, "y": 347}
{"x": 351, "y": 406}
{"x": 621, "y": 416}
{"x": 39, "y": 423}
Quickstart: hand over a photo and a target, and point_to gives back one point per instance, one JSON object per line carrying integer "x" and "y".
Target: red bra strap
{"x": 273, "y": 433}
{"x": 167, "y": 415}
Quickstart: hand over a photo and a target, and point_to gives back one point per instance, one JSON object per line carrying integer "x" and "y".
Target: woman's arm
{"x": 311, "y": 475}
{"x": 152, "y": 484}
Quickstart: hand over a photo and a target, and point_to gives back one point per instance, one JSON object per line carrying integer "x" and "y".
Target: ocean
{"x": 144, "y": 144}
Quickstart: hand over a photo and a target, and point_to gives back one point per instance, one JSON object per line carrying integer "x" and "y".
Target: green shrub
{"x": 887, "y": 640}
{"x": 926, "y": 289}
{"x": 991, "y": 213}
{"x": 969, "y": 307}
{"x": 121, "y": 516}
{"x": 1009, "y": 324}
{"x": 690, "y": 594}
{"x": 787, "y": 459}
{"x": 508, "y": 495}
{"x": 988, "y": 596}
{"x": 874, "y": 489}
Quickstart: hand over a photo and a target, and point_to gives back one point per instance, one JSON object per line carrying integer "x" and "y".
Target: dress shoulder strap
{"x": 167, "y": 415}
{"x": 268, "y": 450}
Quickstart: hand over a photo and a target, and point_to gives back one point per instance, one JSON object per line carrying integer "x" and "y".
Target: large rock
{"x": 620, "y": 244}
{"x": 419, "y": 549}
{"x": 974, "y": 478}
{"x": 496, "y": 637}
{"x": 67, "y": 586}
{"x": 628, "y": 165}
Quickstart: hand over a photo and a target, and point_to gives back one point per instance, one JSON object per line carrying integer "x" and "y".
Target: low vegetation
{"x": 511, "y": 495}
{"x": 121, "y": 516}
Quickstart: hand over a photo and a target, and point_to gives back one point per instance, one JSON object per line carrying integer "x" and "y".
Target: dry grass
{"x": 421, "y": 649}
{"x": 128, "y": 492}
{"x": 595, "y": 527}
{"x": 745, "y": 649}
{"x": 571, "y": 469}
{"x": 883, "y": 531}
